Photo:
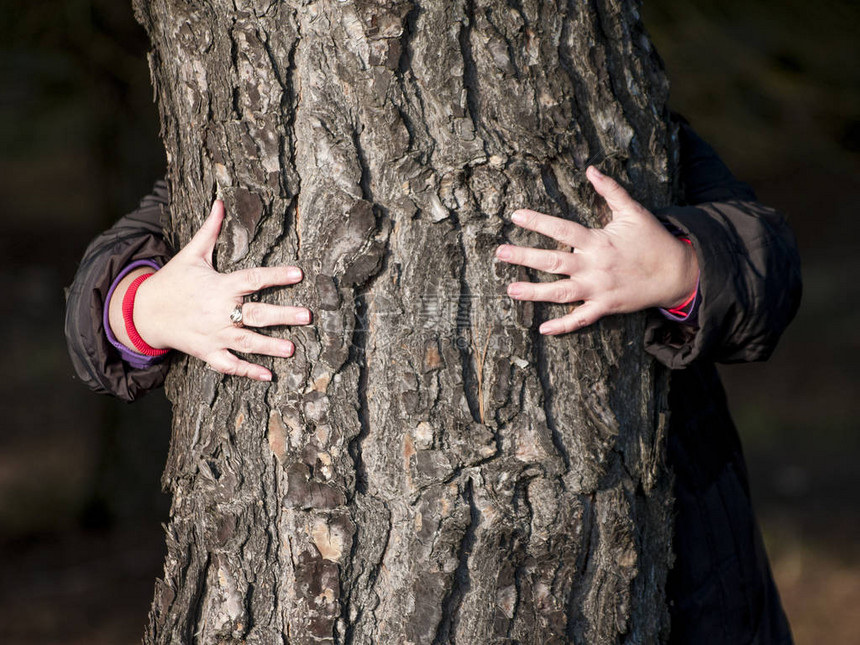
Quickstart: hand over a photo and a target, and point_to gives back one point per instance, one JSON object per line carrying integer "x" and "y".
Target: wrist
{"x": 128, "y": 314}
{"x": 145, "y": 320}
{"x": 686, "y": 282}
{"x": 115, "y": 318}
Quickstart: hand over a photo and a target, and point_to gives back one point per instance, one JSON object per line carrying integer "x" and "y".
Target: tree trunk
{"x": 427, "y": 468}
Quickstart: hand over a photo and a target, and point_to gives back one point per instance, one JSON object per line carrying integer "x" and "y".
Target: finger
{"x": 559, "y": 229}
{"x": 559, "y": 291}
{"x": 258, "y": 314}
{"x": 618, "y": 199}
{"x": 247, "y": 281}
{"x": 203, "y": 242}
{"x": 558, "y": 262}
{"x": 230, "y": 364}
{"x": 249, "y": 342}
{"x": 582, "y": 316}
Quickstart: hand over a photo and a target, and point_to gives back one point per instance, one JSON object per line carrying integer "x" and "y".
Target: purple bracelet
{"x": 692, "y": 315}
{"x": 134, "y": 359}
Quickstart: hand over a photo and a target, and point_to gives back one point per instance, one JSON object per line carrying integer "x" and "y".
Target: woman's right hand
{"x": 186, "y": 306}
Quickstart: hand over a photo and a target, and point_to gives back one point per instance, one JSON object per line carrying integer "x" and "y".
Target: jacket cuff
{"x": 97, "y": 362}
{"x": 749, "y": 284}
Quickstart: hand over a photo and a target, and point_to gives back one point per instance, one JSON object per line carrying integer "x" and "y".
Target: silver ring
{"x": 236, "y": 316}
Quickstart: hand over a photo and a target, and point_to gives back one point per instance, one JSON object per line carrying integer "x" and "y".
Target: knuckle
{"x": 578, "y": 320}
{"x": 251, "y": 314}
{"x": 562, "y": 293}
{"x": 224, "y": 366}
{"x": 555, "y": 263}
{"x": 571, "y": 324}
{"x": 254, "y": 279}
{"x": 615, "y": 189}
{"x": 242, "y": 369}
{"x": 558, "y": 229}
{"x": 244, "y": 342}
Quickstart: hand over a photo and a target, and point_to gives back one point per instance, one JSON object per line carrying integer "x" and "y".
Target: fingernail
{"x": 303, "y": 317}
{"x": 514, "y": 290}
{"x": 289, "y": 349}
{"x": 595, "y": 171}
{"x": 503, "y": 252}
{"x": 265, "y": 377}
{"x": 294, "y": 273}
{"x": 546, "y": 328}
{"x": 518, "y": 217}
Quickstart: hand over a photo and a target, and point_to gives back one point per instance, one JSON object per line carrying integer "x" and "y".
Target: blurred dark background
{"x": 773, "y": 85}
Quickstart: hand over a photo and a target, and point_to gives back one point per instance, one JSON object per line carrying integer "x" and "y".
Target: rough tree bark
{"x": 427, "y": 469}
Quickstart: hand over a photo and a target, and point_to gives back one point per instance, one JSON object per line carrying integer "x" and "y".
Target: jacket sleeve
{"x": 749, "y": 284}
{"x": 137, "y": 236}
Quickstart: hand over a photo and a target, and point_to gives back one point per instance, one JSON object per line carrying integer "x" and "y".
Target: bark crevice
{"x": 453, "y": 600}
{"x": 547, "y": 391}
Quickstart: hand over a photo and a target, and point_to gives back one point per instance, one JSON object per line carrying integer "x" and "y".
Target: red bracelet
{"x": 128, "y": 316}
{"x": 681, "y": 309}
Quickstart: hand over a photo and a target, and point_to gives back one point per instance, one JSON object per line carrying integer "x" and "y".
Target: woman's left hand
{"x": 631, "y": 264}
{"x": 186, "y": 305}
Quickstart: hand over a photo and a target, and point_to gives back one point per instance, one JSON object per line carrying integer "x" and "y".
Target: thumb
{"x": 203, "y": 242}
{"x": 619, "y": 200}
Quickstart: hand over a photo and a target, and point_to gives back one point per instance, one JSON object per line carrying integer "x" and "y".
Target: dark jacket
{"x": 720, "y": 589}
{"x": 137, "y": 236}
